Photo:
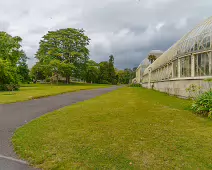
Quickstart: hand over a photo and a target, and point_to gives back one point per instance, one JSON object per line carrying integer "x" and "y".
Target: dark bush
{"x": 135, "y": 85}
{"x": 203, "y": 104}
{"x": 104, "y": 82}
{"x": 9, "y": 87}
{"x": 114, "y": 82}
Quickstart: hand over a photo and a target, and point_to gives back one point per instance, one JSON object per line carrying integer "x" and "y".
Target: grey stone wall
{"x": 177, "y": 87}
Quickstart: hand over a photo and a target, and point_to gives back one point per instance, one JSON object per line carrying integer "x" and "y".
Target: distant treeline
{"x": 62, "y": 54}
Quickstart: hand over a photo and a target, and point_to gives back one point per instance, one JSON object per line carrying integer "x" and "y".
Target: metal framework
{"x": 189, "y": 57}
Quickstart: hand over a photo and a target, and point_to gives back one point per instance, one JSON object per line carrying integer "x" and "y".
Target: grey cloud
{"x": 129, "y": 29}
{"x": 4, "y": 26}
{"x": 37, "y": 30}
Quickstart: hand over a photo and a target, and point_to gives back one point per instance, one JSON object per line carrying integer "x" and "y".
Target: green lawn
{"x": 130, "y": 128}
{"x": 33, "y": 91}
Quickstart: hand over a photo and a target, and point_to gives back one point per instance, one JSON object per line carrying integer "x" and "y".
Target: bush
{"x": 114, "y": 82}
{"x": 104, "y": 82}
{"x": 135, "y": 85}
{"x": 203, "y": 104}
{"x": 194, "y": 91}
{"x": 9, "y": 87}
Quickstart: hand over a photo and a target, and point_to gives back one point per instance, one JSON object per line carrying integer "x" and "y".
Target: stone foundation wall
{"x": 177, "y": 87}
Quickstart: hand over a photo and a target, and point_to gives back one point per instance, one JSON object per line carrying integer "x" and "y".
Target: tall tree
{"x": 23, "y": 69}
{"x": 103, "y": 72}
{"x": 40, "y": 72}
{"x": 10, "y": 48}
{"x": 68, "y": 46}
{"x": 92, "y": 72}
{"x": 111, "y": 70}
{"x": 10, "y": 53}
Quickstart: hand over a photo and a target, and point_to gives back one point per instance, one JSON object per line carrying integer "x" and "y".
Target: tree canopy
{"x": 62, "y": 54}
{"x": 68, "y": 46}
{"x": 13, "y": 67}
{"x": 152, "y": 58}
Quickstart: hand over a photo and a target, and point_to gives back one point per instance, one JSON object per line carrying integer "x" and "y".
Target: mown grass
{"x": 130, "y": 128}
{"x": 34, "y": 91}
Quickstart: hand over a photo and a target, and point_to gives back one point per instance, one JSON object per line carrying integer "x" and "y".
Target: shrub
{"x": 203, "y": 104}
{"x": 114, "y": 82}
{"x": 9, "y": 87}
{"x": 104, "y": 82}
{"x": 194, "y": 91}
{"x": 135, "y": 85}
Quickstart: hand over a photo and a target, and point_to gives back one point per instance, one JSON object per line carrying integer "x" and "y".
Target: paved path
{"x": 15, "y": 115}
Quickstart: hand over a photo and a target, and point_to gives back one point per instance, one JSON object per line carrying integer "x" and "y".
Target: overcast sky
{"x": 128, "y": 29}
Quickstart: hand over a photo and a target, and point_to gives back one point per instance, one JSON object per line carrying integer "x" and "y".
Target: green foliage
{"x": 208, "y": 80}
{"x": 104, "y": 82}
{"x": 152, "y": 58}
{"x": 10, "y": 48}
{"x": 92, "y": 74}
{"x": 194, "y": 91}
{"x": 125, "y": 76}
{"x": 135, "y": 85}
{"x": 39, "y": 72}
{"x": 103, "y": 71}
{"x": 203, "y": 104}
{"x": 111, "y": 70}
{"x": 68, "y": 46}
{"x": 9, "y": 87}
{"x": 12, "y": 67}
{"x": 23, "y": 70}
{"x": 8, "y": 76}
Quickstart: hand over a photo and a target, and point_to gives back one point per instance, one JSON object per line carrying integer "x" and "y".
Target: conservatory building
{"x": 187, "y": 62}
{"x": 145, "y": 63}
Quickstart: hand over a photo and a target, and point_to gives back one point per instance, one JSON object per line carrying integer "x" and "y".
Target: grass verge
{"x": 35, "y": 91}
{"x": 130, "y": 128}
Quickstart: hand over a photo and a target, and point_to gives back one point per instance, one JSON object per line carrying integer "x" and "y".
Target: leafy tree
{"x": 10, "y": 48}
{"x": 152, "y": 58}
{"x": 10, "y": 54}
{"x": 54, "y": 68}
{"x": 39, "y": 72}
{"x": 92, "y": 72}
{"x": 103, "y": 72}
{"x": 23, "y": 69}
{"x": 111, "y": 70}
{"x": 125, "y": 76}
{"x": 67, "y": 70}
{"x": 8, "y": 73}
{"x": 68, "y": 46}
{"x": 92, "y": 63}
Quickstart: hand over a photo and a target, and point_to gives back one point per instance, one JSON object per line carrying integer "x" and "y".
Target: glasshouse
{"x": 145, "y": 63}
{"x": 188, "y": 62}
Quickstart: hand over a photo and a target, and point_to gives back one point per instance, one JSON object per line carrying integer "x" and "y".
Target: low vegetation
{"x": 135, "y": 85}
{"x": 203, "y": 104}
{"x": 130, "y": 128}
{"x": 34, "y": 91}
{"x": 202, "y": 100}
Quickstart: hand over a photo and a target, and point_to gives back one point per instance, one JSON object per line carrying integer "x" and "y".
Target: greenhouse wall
{"x": 178, "y": 87}
{"x": 187, "y": 62}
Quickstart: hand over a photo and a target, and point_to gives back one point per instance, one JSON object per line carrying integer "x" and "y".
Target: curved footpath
{"x": 15, "y": 115}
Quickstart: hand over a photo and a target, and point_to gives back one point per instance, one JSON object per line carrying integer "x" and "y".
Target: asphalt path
{"x": 13, "y": 116}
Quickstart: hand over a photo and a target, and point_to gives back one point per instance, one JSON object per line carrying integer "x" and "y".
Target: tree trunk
{"x": 67, "y": 79}
{"x": 57, "y": 79}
